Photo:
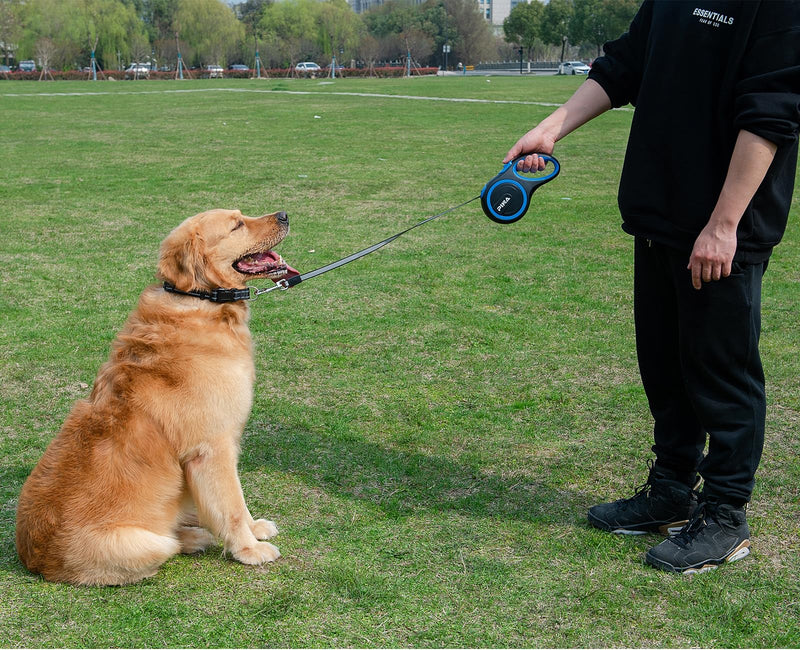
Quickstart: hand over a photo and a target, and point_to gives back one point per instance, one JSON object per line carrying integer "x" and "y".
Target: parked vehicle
{"x": 27, "y": 66}
{"x": 137, "y": 70}
{"x": 4, "y": 69}
{"x": 573, "y": 67}
{"x": 214, "y": 71}
{"x": 307, "y": 66}
{"x": 238, "y": 66}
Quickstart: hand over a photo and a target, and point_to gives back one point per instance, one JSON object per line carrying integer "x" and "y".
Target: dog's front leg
{"x": 213, "y": 483}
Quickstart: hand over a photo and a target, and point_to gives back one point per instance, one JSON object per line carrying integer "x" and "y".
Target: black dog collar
{"x": 217, "y": 295}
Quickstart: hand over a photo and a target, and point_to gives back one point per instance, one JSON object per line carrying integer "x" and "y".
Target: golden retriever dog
{"x": 146, "y": 467}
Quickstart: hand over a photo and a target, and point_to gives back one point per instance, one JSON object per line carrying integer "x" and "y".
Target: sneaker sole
{"x": 741, "y": 551}
{"x": 665, "y": 529}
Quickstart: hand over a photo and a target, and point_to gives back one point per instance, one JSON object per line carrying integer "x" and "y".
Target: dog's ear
{"x": 181, "y": 261}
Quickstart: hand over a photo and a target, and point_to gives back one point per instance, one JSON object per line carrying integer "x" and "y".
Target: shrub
{"x": 79, "y": 75}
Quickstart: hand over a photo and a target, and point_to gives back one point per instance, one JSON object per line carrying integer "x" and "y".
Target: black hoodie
{"x": 699, "y": 72}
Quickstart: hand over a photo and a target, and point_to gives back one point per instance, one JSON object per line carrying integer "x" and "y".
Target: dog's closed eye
{"x": 238, "y": 225}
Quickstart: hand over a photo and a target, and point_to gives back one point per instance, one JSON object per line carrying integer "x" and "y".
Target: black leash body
{"x": 287, "y": 283}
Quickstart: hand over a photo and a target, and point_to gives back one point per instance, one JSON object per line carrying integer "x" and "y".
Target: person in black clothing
{"x": 706, "y": 189}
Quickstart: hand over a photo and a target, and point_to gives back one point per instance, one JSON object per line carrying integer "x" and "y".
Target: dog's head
{"x": 224, "y": 249}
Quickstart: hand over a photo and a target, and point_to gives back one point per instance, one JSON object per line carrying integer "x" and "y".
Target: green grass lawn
{"x": 431, "y": 422}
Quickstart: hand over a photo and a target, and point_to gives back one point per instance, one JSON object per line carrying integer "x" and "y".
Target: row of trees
{"x": 62, "y": 34}
{"x": 559, "y": 22}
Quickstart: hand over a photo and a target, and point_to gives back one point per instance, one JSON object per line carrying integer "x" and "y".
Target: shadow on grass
{"x": 399, "y": 482}
{"x": 403, "y": 482}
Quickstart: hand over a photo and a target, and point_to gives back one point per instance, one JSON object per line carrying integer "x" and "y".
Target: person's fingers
{"x": 697, "y": 281}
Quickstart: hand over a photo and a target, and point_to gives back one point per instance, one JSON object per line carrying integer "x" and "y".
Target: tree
{"x": 10, "y": 27}
{"x": 45, "y": 49}
{"x": 210, "y": 27}
{"x": 596, "y": 21}
{"x": 368, "y": 51}
{"x": 392, "y": 17}
{"x": 473, "y": 40}
{"x": 210, "y": 31}
{"x": 555, "y": 23}
{"x": 61, "y": 22}
{"x": 250, "y": 12}
{"x": 140, "y": 52}
{"x": 397, "y": 27}
{"x": 524, "y": 23}
{"x": 417, "y": 44}
{"x": 158, "y": 17}
{"x": 426, "y": 28}
{"x": 289, "y": 29}
{"x": 110, "y": 26}
{"x": 76, "y": 27}
{"x": 434, "y": 19}
{"x": 339, "y": 27}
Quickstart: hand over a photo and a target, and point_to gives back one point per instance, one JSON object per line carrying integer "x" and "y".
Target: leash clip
{"x": 283, "y": 285}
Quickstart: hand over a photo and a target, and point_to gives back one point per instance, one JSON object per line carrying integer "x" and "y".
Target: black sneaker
{"x": 717, "y": 534}
{"x": 662, "y": 505}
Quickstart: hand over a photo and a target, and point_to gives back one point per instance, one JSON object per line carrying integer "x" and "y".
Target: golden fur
{"x": 146, "y": 467}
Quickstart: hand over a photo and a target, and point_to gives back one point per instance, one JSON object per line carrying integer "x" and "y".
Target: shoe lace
{"x": 692, "y": 527}
{"x": 644, "y": 488}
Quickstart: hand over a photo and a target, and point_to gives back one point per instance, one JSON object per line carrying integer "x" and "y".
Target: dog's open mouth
{"x": 268, "y": 264}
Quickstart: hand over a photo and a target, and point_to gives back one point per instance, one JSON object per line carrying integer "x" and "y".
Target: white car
{"x": 214, "y": 71}
{"x": 138, "y": 70}
{"x": 307, "y": 66}
{"x": 573, "y": 67}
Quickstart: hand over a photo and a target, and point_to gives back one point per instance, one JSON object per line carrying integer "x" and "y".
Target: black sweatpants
{"x": 701, "y": 368}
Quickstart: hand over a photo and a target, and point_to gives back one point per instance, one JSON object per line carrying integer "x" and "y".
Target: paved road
{"x": 508, "y": 72}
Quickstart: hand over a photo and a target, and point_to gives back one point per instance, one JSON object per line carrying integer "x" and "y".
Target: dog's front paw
{"x": 259, "y": 553}
{"x": 264, "y": 529}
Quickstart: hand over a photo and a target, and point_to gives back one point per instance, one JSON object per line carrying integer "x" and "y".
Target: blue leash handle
{"x": 507, "y": 197}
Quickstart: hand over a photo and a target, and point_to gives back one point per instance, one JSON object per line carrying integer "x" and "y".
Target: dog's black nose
{"x": 282, "y": 217}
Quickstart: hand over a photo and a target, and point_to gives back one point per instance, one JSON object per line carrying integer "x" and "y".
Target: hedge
{"x": 79, "y": 75}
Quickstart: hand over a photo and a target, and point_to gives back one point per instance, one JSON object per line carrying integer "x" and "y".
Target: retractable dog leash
{"x": 504, "y": 199}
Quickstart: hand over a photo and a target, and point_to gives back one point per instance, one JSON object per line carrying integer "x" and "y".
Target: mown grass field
{"x": 431, "y": 422}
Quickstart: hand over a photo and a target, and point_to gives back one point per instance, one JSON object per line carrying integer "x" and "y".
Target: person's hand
{"x": 533, "y": 142}
{"x": 587, "y": 102}
{"x": 712, "y": 255}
